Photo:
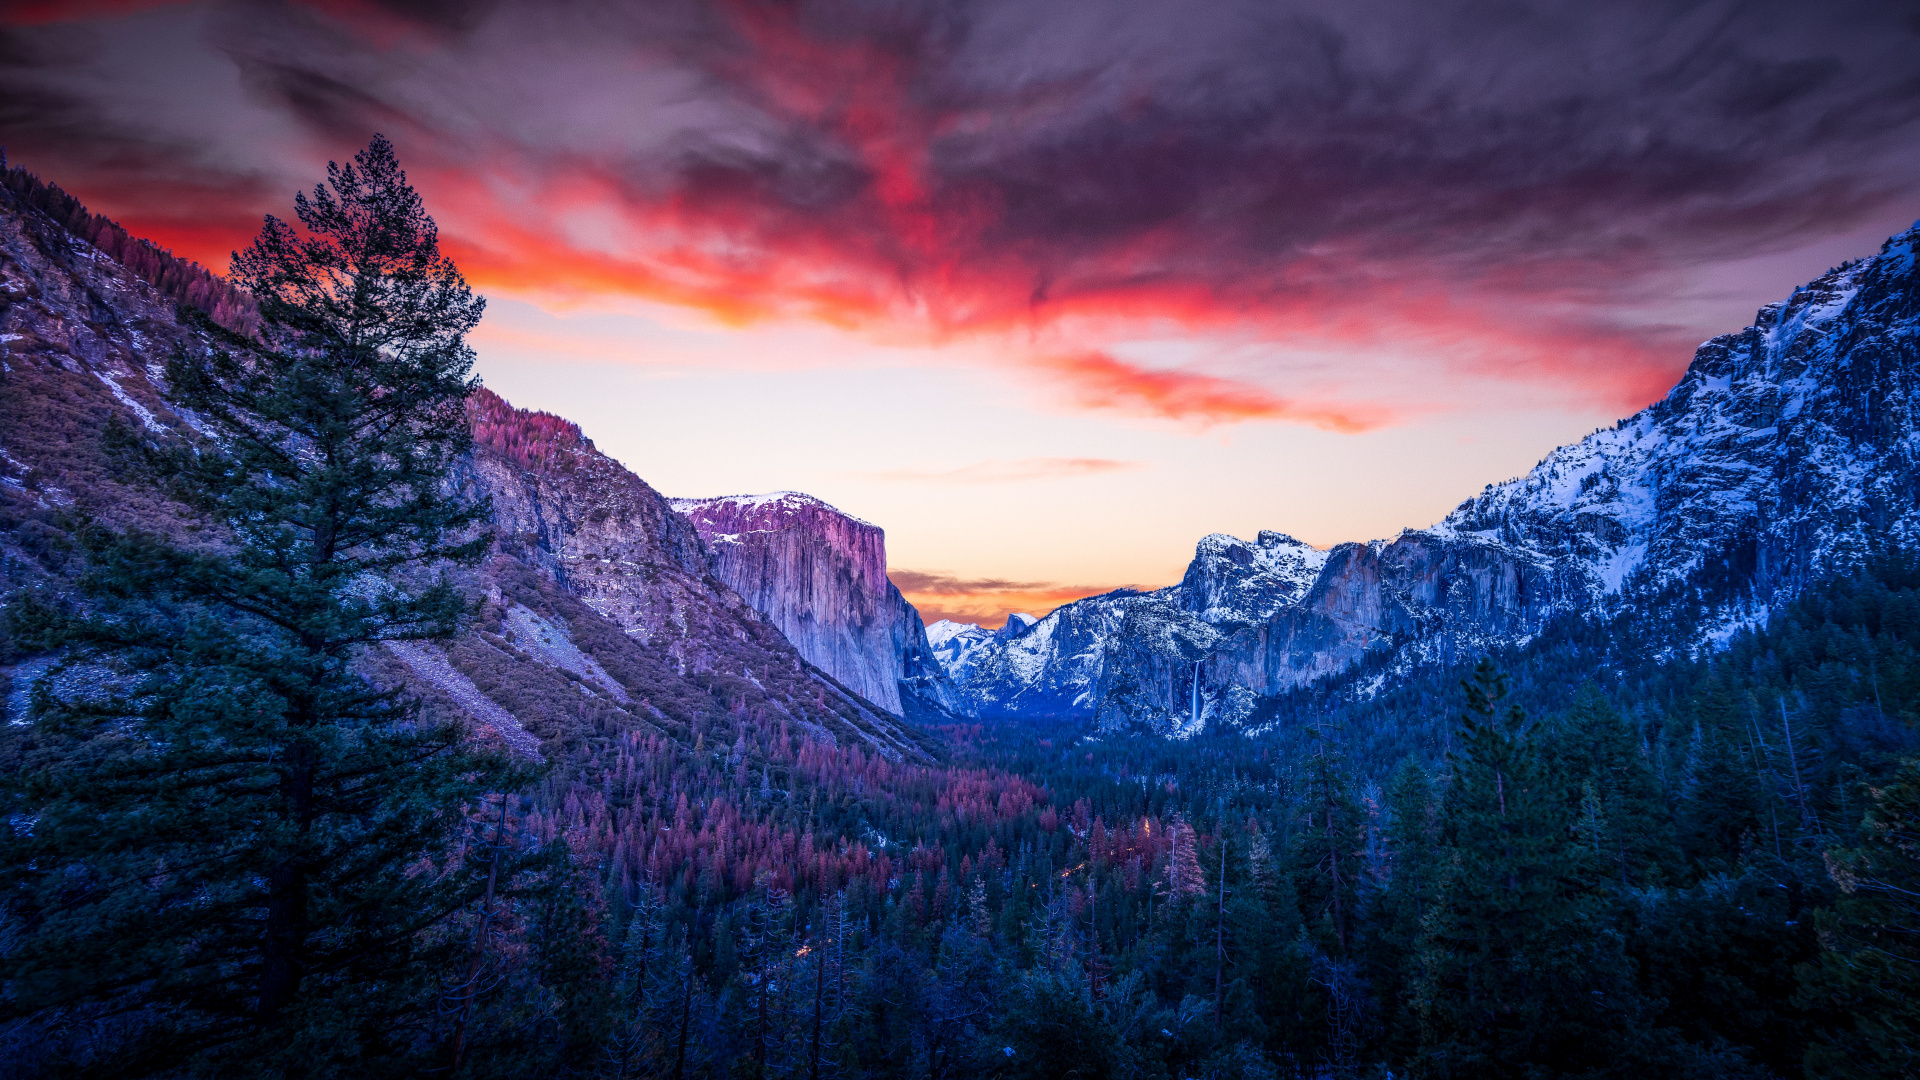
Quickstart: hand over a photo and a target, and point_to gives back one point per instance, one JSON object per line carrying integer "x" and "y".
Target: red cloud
{"x": 851, "y": 169}
{"x": 1098, "y": 381}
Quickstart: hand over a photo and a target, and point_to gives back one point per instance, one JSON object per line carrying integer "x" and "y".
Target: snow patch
{"x": 786, "y": 500}
{"x": 126, "y": 399}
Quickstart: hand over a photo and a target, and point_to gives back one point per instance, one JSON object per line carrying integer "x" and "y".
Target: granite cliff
{"x": 820, "y": 575}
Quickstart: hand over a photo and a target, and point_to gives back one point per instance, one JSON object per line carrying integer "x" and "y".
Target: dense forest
{"x": 241, "y": 845}
{"x": 1697, "y": 872}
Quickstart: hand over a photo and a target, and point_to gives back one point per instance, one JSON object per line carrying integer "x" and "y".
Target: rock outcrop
{"x": 820, "y": 575}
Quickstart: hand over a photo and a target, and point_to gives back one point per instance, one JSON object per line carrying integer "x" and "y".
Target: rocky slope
{"x": 821, "y": 576}
{"x": 1786, "y": 450}
{"x": 599, "y": 611}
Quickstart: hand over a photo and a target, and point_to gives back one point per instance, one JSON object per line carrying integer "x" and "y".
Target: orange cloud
{"x": 988, "y": 601}
{"x": 741, "y": 264}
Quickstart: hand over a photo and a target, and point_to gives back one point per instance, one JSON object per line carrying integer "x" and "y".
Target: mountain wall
{"x": 1785, "y": 451}
{"x": 820, "y": 575}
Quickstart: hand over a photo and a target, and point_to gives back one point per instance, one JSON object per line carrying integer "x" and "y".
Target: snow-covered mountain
{"x": 820, "y": 575}
{"x": 1785, "y": 451}
{"x": 955, "y": 645}
{"x": 1232, "y": 582}
{"x": 1048, "y": 667}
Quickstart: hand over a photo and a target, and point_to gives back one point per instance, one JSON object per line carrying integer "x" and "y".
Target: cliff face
{"x": 821, "y": 577}
{"x": 598, "y": 611}
{"x": 602, "y": 536}
{"x": 1787, "y": 450}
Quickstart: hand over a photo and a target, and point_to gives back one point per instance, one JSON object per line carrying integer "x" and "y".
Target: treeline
{"x": 182, "y": 280}
{"x": 529, "y": 440}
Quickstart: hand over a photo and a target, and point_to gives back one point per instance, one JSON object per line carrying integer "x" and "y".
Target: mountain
{"x": 1786, "y": 450}
{"x": 956, "y": 645}
{"x": 598, "y": 608}
{"x": 820, "y": 575}
{"x": 1048, "y": 667}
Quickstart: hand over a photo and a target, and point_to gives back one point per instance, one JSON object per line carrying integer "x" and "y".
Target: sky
{"x": 1048, "y": 289}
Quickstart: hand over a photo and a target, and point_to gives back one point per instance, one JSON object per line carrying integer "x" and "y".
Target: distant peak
{"x": 1017, "y": 623}
{"x": 1266, "y": 538}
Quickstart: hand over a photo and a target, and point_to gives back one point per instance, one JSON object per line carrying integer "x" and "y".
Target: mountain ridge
{"x": 1781, "y": 452}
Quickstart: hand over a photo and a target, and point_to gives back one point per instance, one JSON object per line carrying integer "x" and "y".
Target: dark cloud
{"x": 1503, "y": 184}
{"x": 452, "y": 16}
{"x": 331, "y": 107}
{"x": 1577, "y": 143}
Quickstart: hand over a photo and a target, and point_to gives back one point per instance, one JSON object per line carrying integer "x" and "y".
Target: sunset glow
{"x": 1033, "y": 281}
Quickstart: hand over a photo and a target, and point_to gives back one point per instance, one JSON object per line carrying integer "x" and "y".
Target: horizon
{"x": 1045, "y": 295}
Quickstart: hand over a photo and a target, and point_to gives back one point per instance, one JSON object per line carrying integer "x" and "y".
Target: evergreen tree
{"x": 1411, "y": 894}
{"x": 1871, "y": 970}
{"x": 241, "y": 845}
{"x": 1272, "y": 957}
{"x": 1516, "y": 977}
{"x": 634, "y": 1041}
{"x": 1330, "y": 844}
{"x": 1721, "y": 812}
{"x": 1626, "y": 834}
{"x": 1185, "y": 879}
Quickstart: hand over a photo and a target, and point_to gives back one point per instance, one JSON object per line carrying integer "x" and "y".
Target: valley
{"x": 1247, "y": 825}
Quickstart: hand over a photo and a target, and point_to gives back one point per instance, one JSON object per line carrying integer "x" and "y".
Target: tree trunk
{"x": 286, "y": 924}
{"x": 819, "y": 1002}
{"x": 760, "y": 1036}
{"x": 483, "y": 920}
{"x": 686, "y": 1022}
{"x": 1220, "y": 939}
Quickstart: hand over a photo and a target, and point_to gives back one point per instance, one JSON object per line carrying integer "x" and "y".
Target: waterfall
{"x": 1193, "y": 718}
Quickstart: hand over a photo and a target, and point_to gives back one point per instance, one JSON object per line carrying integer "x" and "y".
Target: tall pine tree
{"x": 241, "y": 847}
